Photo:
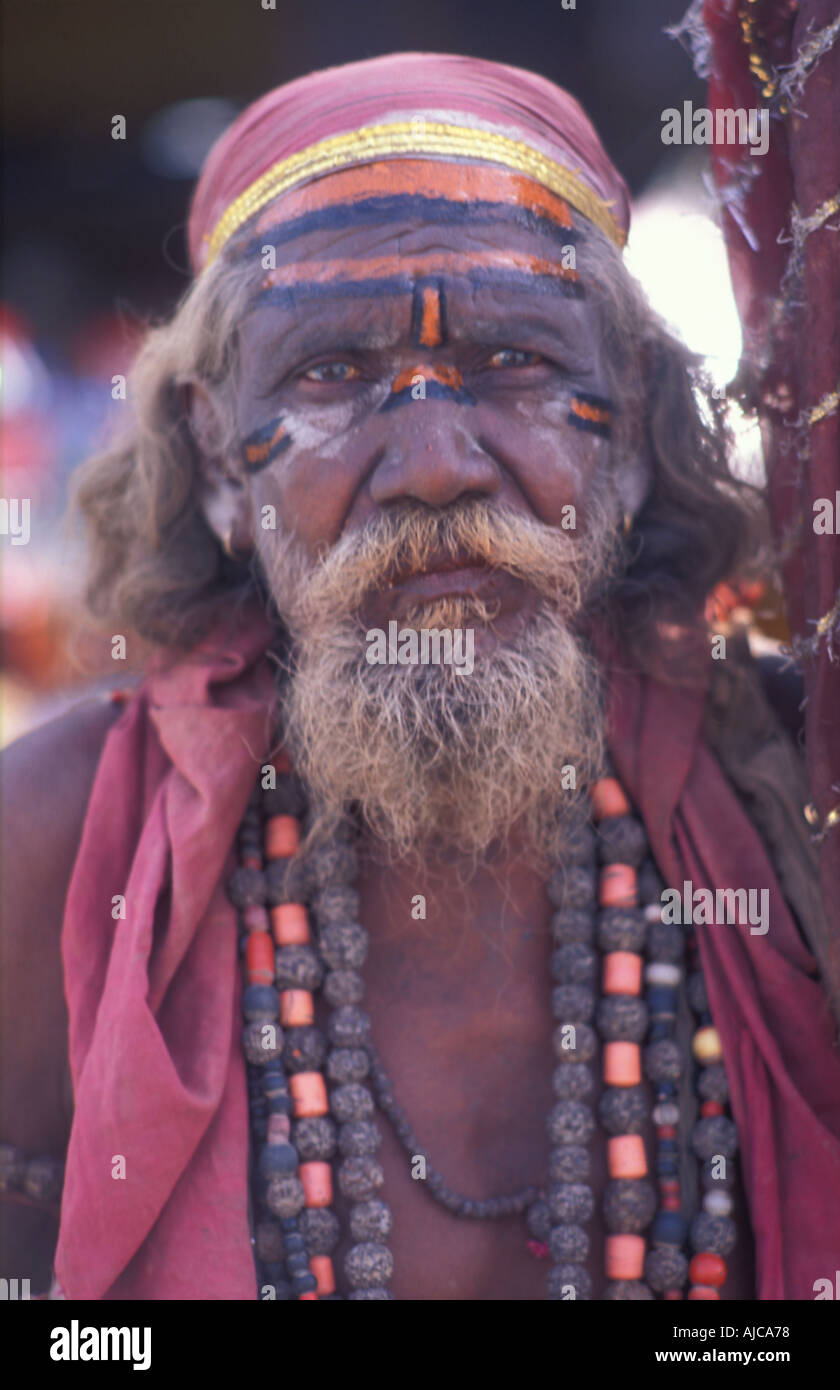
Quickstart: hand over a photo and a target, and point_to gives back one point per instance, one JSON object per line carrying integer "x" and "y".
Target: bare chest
{"x": 464, "y": 1032}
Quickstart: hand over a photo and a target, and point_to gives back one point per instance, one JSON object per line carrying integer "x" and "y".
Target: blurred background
{"x": 94, "y": 227}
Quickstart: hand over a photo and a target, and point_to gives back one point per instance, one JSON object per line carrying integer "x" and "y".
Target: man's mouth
{"x": 441, "y": 577}
{"x": 403, "y": 592}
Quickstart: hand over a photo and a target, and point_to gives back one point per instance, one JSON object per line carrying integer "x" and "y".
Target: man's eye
{"x": 515, "y": 357}
{"x": 331, "y": 372}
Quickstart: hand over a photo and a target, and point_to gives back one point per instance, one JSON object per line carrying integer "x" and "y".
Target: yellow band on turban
{"x": 411, "y": 138}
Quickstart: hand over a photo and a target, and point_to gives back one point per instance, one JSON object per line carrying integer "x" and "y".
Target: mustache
{"x": 563, "y": 566}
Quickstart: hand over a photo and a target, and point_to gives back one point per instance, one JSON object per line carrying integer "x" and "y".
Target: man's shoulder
{"x": 46, "y": 774}
{"x": 46, "y": 778}
{"x": 45, "y": 782}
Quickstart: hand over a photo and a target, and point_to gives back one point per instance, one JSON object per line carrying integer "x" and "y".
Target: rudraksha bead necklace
{"x": 301, "y": 1130}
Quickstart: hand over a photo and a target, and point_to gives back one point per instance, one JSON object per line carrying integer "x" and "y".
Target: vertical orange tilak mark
{"x": 431, "y": 327}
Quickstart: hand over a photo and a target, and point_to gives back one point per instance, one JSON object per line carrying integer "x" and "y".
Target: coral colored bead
{"x": 622, "y": 972}
{"x": 297, "y": 1008}
{"x": 251, "y": 861}
{"x": 290, "y": 924}
{"x": 622, "y": 1064}
{"x": 672, "y": 1294}
{"x": 670, "y": 1204}
{"x": 608, "y": 799}
{"x": 259, "y": 958}
{"x": 255, "y": 918}
{"x": 282, "y": 837}
{"x": 308, "y": 1298}
{"x": 618, "y": 887}
{"x": 317, "y": 1183}
{"x": 626, "y": 1157}
{"x": 309, "y": 1094}
{"x": 322, "y": 1267}
{"x": 711, "y": 1107}
{"x": 706, "y": 1046}
{"x": 666, "y": 1132}
{"x": 669, "y": 1185}
{"x": 707, "y": 1268}
{"x": 700, "y": 1291}
{"x": 625, "y": 1257}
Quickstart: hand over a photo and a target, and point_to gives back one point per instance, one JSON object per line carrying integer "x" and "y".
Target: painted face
{"x": 425, "y": 334}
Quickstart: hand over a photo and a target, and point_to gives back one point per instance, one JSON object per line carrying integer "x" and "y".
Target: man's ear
{"x": 632, "y": 464}
{"x": 632, "y": 481}
{"x": 224, "y": 496}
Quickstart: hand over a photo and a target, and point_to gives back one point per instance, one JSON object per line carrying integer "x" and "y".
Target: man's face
{"x": 422, "y": 403}
{"x": 430, "y": 363}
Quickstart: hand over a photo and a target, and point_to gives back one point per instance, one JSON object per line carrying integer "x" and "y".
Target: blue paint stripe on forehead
{"x": 409, "y": 207}
{"x": 530, "y": 281}
{"x": 290, "y": 296}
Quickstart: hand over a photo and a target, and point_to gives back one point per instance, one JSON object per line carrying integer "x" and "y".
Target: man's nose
{"x": 432, "y": 456}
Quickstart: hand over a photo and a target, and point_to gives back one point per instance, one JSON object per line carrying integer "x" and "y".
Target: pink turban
{"x": 464, "y": 92}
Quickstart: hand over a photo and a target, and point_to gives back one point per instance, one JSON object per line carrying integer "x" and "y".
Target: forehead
{"x": 355, "y": 247}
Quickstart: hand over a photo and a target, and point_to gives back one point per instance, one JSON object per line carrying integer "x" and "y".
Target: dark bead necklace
{"x": 606, "y": 898}
{"x": 490, "y": 1208}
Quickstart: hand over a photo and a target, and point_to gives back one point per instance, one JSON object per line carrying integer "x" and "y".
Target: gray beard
{"x": 432, "y": 761}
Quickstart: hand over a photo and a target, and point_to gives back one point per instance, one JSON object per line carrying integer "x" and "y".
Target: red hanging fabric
{"x": 781, "y": 220}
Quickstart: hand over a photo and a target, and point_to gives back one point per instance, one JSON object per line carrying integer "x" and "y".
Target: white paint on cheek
{"x": 550, "y": 430}
{"x": 314, "y": 434}
{"x": 554, "y": 411}
{"x": 575, "y": 467}
{"x": 595, "y": 460}
{"x": 325, "y": 431}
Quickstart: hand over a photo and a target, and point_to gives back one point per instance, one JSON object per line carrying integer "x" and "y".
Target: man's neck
{"x": 448, "y": 899}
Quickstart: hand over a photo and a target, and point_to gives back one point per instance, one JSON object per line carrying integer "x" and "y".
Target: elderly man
{"x": 546, "y": 909}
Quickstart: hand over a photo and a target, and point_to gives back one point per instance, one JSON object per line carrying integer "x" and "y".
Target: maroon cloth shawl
{"x": 154, "y": 998}
{"x": 788, "y": 296}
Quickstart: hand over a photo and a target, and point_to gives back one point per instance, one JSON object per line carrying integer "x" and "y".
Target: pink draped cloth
{"x": 402, "y": 86}
{"x": 154, "y": 998}
{"x": 158, "y": 1073}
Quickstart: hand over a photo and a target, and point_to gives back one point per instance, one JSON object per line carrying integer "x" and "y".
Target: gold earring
{"x": 226, "y": 545}
{"x": 628, "y": 523}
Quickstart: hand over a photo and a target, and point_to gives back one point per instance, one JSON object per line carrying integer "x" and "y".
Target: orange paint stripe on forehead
{"x": 431, "y": 262}
{"x": 427, "y": 178}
